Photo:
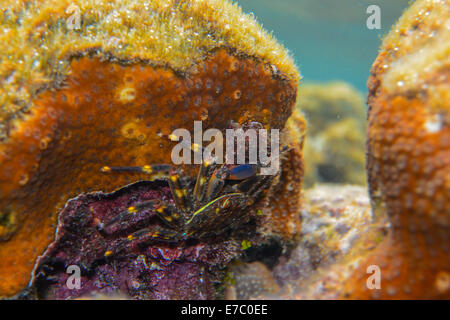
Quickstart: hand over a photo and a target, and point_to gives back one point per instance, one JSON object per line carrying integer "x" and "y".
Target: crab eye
{"x": 241, "y": 172}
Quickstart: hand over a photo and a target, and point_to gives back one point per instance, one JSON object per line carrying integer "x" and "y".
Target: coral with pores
{"x": 107, "y": 94}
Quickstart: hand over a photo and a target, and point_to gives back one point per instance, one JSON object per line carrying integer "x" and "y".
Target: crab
{"x": 217, "y": 201}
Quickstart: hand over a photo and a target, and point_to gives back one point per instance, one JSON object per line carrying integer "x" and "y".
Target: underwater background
{"x": 329, "y": 39}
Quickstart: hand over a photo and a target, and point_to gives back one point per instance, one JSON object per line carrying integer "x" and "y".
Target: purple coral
{"x": 109, "y": 264}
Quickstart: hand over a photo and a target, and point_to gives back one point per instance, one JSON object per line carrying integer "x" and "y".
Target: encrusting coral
{"x": 400, "y": 248}
{"x": 107, "y": 92}
{"x": 40, "y": 38}
{"x": 284, "y": 200}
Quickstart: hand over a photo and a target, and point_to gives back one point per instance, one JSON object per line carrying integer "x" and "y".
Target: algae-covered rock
{"x": 334, "y": 147}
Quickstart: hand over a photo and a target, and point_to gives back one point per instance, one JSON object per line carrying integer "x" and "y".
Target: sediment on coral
{"x": 41, "y": 37}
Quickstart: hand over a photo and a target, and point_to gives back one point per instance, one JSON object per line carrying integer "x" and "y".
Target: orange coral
{"x": 409, "y": 157}
{"x": 73, "y": 100}
{"x": 408, "y": 175}
{"x": 111, "y": 113}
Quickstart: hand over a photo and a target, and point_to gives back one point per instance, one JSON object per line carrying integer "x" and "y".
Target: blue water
{"x": 329, "y": 39}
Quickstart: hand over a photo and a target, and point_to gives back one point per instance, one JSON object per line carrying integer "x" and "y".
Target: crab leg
{"x": 155, "y": 232}
{"x": 256, "y": 186}
{"x": 165, "y": 211}
{"x": 163, "y": 172}
{"x": 142, "y": 236}
{"x": 201, "y": 219}
{"x": 202, "y": 182}
{"x": 123, "y": 216}
{"x": 156, "y": 171}
{"x": 226, "y": 217}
